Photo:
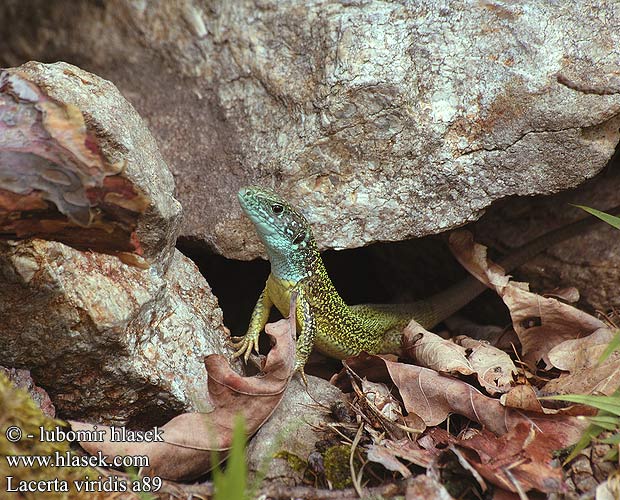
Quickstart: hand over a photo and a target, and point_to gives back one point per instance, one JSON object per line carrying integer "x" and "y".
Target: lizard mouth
{"x": 255, "y": 213}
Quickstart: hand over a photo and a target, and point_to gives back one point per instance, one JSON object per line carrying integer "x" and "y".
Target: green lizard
{"x": 324, "y": 321}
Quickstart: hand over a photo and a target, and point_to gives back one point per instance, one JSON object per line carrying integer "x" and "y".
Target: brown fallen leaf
{"x": 519, "y": 460}
{"x": 385, "y": 457}
{"x": 190, "y": 438}
{"x": 568, "y": 294}
{"x": 600, "y": 379}
{"x": 460, "y": 355}
{"x": 561, "y": 335}
{"x": 494, "y": 368}
{"x": 426, "y": 487}
{"x": 432, "y": 397}
{"x": 500, "y": 337}
{"x": 522, "y": 397}
{"x": 380, "y": 397}
{"x": 408, "y": 450}
{"x": 430, "y": 350}
{"x": 541, "y": 323}
{"x": 583, "y": 353}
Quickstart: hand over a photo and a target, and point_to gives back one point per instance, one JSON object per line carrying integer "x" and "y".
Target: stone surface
{"x": 292, "y": 429}
{"x": 78, "y": 165}
{"x": 590, "y": 262}
{"x": 382, "y": 121}
{"x": 109, "y": 342}
{"x": 23, "y": 380}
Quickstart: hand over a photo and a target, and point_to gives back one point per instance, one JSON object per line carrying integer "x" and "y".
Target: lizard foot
{"x": 244, "y": 346}
{"x": 299, "y": 368}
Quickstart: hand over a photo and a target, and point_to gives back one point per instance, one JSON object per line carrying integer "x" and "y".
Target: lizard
{"x": 324, "y": 320}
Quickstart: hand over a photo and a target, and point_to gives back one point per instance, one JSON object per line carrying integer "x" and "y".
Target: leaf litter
{"x": 497, "y": 430}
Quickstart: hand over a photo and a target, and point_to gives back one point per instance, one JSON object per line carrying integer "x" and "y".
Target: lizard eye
{"x": 277, "y": 208}
{"x": 299, "y": 238}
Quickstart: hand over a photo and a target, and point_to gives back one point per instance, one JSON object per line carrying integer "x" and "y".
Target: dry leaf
{"x": 433, "y": 397}
{"x": 494, "y": 367}
{"x": 430, "y": 350}
{"x": 568, "y": 294}
{"x": 522, "y": 397}
{"x": 426, "y": 487}
{"x": 561, "y": 335}
{"x": 190, "y": 438}
{"x": 521, "y": 458}
{"x": 578, "y": 354}
{"x": 381, "y": 398}
{"x": 500, "y": 337}
{"x": 540, "y": 323}
{"x": 383, "y": 456}
{"x": 411, "y": 451}
{"x": 599, "y": 379}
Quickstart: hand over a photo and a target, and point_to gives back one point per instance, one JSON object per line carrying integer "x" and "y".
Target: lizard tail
{"x": 442, "y": 305}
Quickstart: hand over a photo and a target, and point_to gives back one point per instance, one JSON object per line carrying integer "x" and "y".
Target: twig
{"x": 357, "y": 484}
{"x": 588, "y": 89}
{"x": 287, "y": 492}
{"x": 515, "y": 483}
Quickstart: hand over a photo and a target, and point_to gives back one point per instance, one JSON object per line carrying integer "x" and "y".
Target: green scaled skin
{"x": 324, "y": 321}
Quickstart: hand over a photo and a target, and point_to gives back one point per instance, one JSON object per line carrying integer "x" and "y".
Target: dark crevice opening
{"x": 384, "y": 272}
{"x": 404, "y": 271}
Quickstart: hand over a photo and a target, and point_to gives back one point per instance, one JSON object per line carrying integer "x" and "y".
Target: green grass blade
{"x": 233, "y": 482}
{"x": 614, "y": 345}
{"x": 615, "y": 439}
{"x": 588, "y": 435}
{"x": 610, "y": 404}
{"x": 609, "y": 423}
{"x": 610, "y": 219}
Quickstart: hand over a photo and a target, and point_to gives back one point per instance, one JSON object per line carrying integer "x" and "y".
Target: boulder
{"x": 109, "y": 342}
{"x": 115, "y": 340}
{"x": 279, "y": 451}
{"x": 78, "y": 165}
{"x": 382, "y": 121}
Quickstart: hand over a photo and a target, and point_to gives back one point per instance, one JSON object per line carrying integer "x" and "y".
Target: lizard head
{"x": 284, "y": 231}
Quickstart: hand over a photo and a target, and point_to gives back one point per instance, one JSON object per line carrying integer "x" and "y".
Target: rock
{"x": 292, "y": 431}
{"x": 382, "y": 121}
{"x": 109, "y": 342}
{"x": 23, "y": 380}
{"x": 590, "y": 262}
{"x": 425, "y": 486}
{"x": 78, "y": 165}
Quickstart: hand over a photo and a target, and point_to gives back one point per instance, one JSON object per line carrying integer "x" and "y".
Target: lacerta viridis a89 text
{"x": 324, "y": 321}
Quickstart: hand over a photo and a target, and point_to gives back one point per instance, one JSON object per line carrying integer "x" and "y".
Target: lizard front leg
{"x": 260, "y": 315}
{"x": 308, "y": 330}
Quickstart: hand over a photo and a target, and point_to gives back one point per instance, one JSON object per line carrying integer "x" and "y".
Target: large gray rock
{"x": 292, "y": 431}
{"x": 382, "y": 121}
{"x": 78, "y": 165}
{"x": 109, "y": 342}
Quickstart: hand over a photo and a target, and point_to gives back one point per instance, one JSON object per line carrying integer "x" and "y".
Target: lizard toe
{"x": 243, "y": 347}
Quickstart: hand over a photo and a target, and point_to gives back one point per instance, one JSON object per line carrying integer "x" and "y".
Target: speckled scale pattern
{"x": 325, "y": 321}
